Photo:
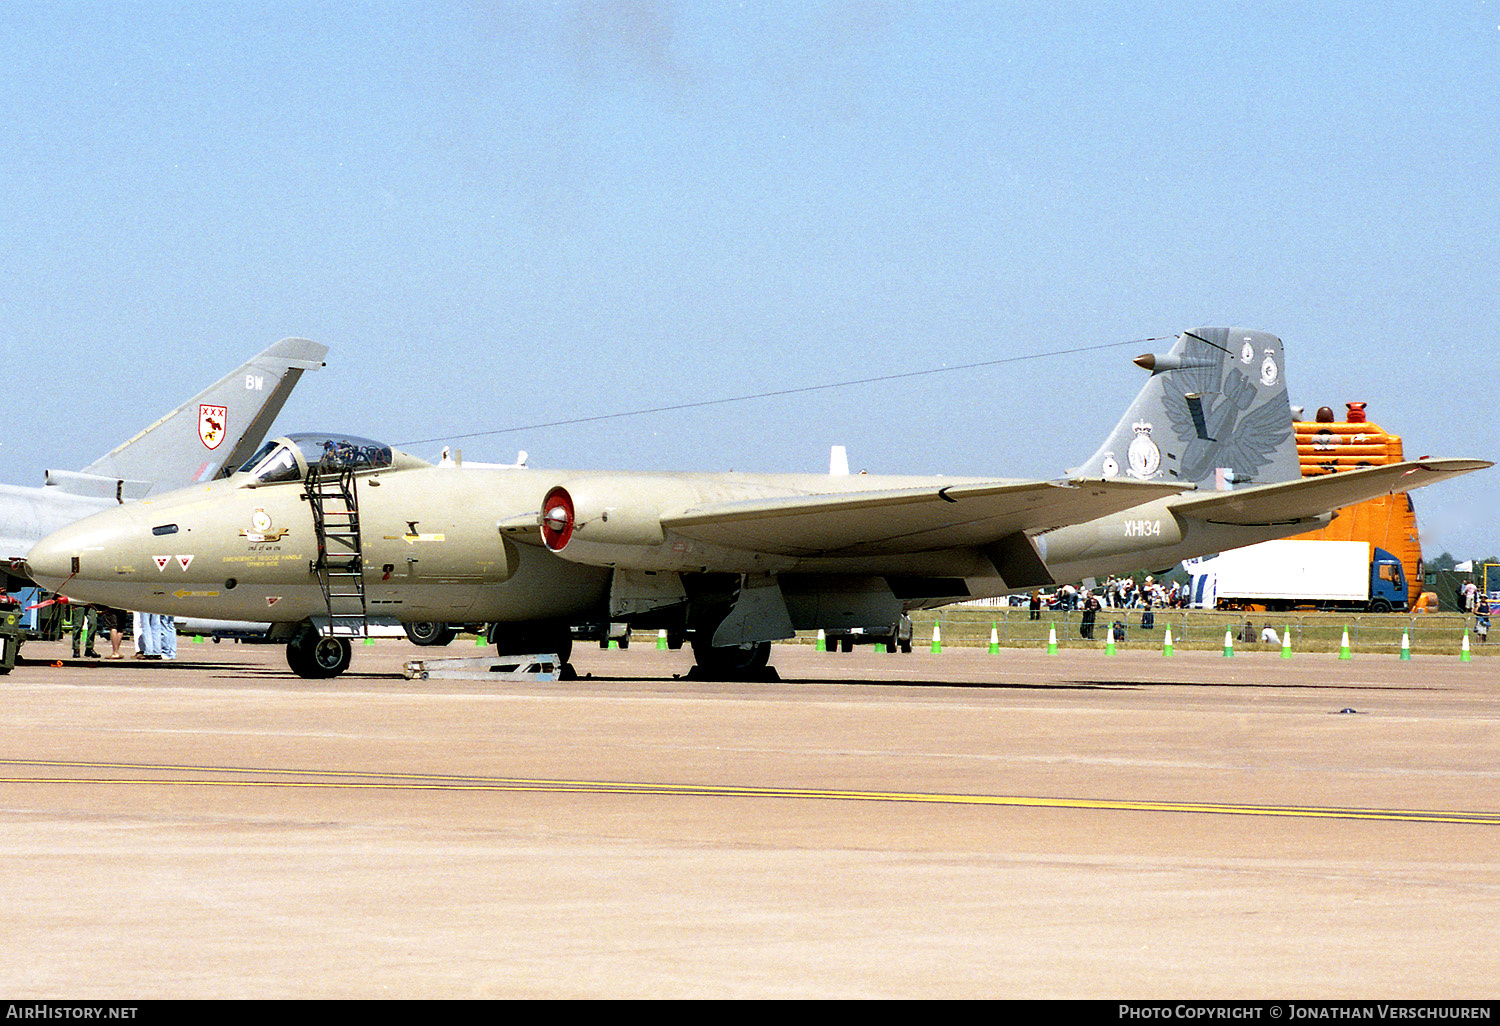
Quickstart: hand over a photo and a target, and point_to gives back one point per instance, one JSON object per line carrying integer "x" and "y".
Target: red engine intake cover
{"x": 557, "y": 519}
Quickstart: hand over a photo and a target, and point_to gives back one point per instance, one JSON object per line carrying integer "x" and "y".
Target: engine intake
{"x": 609, "y": 510}
{"x": 557, "y": 519}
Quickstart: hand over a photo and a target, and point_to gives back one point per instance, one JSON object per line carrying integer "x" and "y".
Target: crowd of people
{"x": 1115, "y": 593}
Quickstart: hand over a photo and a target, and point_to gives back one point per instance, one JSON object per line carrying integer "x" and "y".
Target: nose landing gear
{"x": 315, "y": 657}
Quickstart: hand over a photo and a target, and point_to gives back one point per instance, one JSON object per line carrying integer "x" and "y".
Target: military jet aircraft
{"x": 319, "y": 532}
{"x": 209, "y": 435}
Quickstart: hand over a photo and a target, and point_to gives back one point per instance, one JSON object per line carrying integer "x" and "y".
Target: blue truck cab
{"x": 1387, "y": 583}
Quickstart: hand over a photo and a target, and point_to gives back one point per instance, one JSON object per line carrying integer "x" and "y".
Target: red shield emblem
{"x": 212, "y": 420}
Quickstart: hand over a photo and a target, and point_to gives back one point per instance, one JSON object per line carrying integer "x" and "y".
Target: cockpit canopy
{"x": 292, "y": 457}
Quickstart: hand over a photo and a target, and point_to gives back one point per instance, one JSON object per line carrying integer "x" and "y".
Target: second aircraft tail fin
{"x": 1214, "y": 414}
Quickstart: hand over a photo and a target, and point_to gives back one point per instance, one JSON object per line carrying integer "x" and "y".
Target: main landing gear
{"x": 529, "y": 638}
{"x": 429, "y": 633}
{"x": 737, "y": 662}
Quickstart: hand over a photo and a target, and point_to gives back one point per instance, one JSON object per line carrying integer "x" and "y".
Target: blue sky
{"x": 505, "y": 214}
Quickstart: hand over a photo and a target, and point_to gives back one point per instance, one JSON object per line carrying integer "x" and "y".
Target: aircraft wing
{"x": 219, "y": 428}
{"x": 1288, "y": 501}
{"x": 916, "y": 519}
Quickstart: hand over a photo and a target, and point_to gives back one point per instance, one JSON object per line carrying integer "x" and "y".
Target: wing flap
{"x": 919, "y": 519}
{"x": 1289, "y": 501}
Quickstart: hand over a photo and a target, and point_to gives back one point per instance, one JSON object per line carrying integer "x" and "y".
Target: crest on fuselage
{"x": 261, "y": 529}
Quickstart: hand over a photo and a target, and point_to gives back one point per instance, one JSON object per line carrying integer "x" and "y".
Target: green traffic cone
{"x": 1344, "y": 652}
{"x": 994, "y": 640}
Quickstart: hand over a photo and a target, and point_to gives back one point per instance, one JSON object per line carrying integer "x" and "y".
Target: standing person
{"x": 85, "y": 625}
{"x": 147, "y": 636}
{"x": 166, "y": 643}
{"x": 1090, "y": 611}
{"x": 109, "y": 622}
{"x": 1482, "y": 617}
{"x": 1036, "y": 604}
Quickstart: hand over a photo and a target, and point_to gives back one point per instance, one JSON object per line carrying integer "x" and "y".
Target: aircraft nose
{"x": 94, "y": 549}
{"x": 54, "y": 559}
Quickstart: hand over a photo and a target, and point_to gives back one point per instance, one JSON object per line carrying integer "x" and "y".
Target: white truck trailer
{"x": 1279, "y": 575}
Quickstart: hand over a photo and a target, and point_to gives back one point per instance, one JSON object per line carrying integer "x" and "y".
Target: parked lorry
{"x": 1280, "y": 575}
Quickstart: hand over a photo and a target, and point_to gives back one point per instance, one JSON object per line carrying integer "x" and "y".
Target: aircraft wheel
{"x": 318, "y": 658}
{"x": 736, "y": 662}
{"x": 531, "y": 638}
{"x": 429, "y": 633}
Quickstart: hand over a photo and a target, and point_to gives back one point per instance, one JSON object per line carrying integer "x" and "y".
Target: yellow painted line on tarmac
{"x": 376, "y": 781}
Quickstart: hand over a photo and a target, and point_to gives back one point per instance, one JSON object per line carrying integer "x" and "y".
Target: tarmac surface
{"x": 928, "y": 825}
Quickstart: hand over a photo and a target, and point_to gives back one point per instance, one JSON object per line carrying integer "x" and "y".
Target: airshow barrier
{"x": 1199, "y": 630}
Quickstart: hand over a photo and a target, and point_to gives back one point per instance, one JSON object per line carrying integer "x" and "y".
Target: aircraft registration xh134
{"x": 319, "y": 533}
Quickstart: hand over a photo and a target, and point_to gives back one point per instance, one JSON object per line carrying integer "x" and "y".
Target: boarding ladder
{"x": 340, "y": 563}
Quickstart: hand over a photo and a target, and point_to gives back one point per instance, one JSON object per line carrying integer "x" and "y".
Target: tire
{"x": 429, "y": 632}
{"x": 314, "y": 657}
{"x": 532, "y": 638}
{"x": 1380, "y": 606}
{"x": 737, "y": 662}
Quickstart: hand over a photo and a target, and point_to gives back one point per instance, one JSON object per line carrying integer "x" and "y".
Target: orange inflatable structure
{"x": 1327, "y": 446}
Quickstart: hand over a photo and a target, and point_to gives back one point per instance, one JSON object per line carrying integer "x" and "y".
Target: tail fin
{"x": 1214, "y": 414}
{"x": 217, "y": 429}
